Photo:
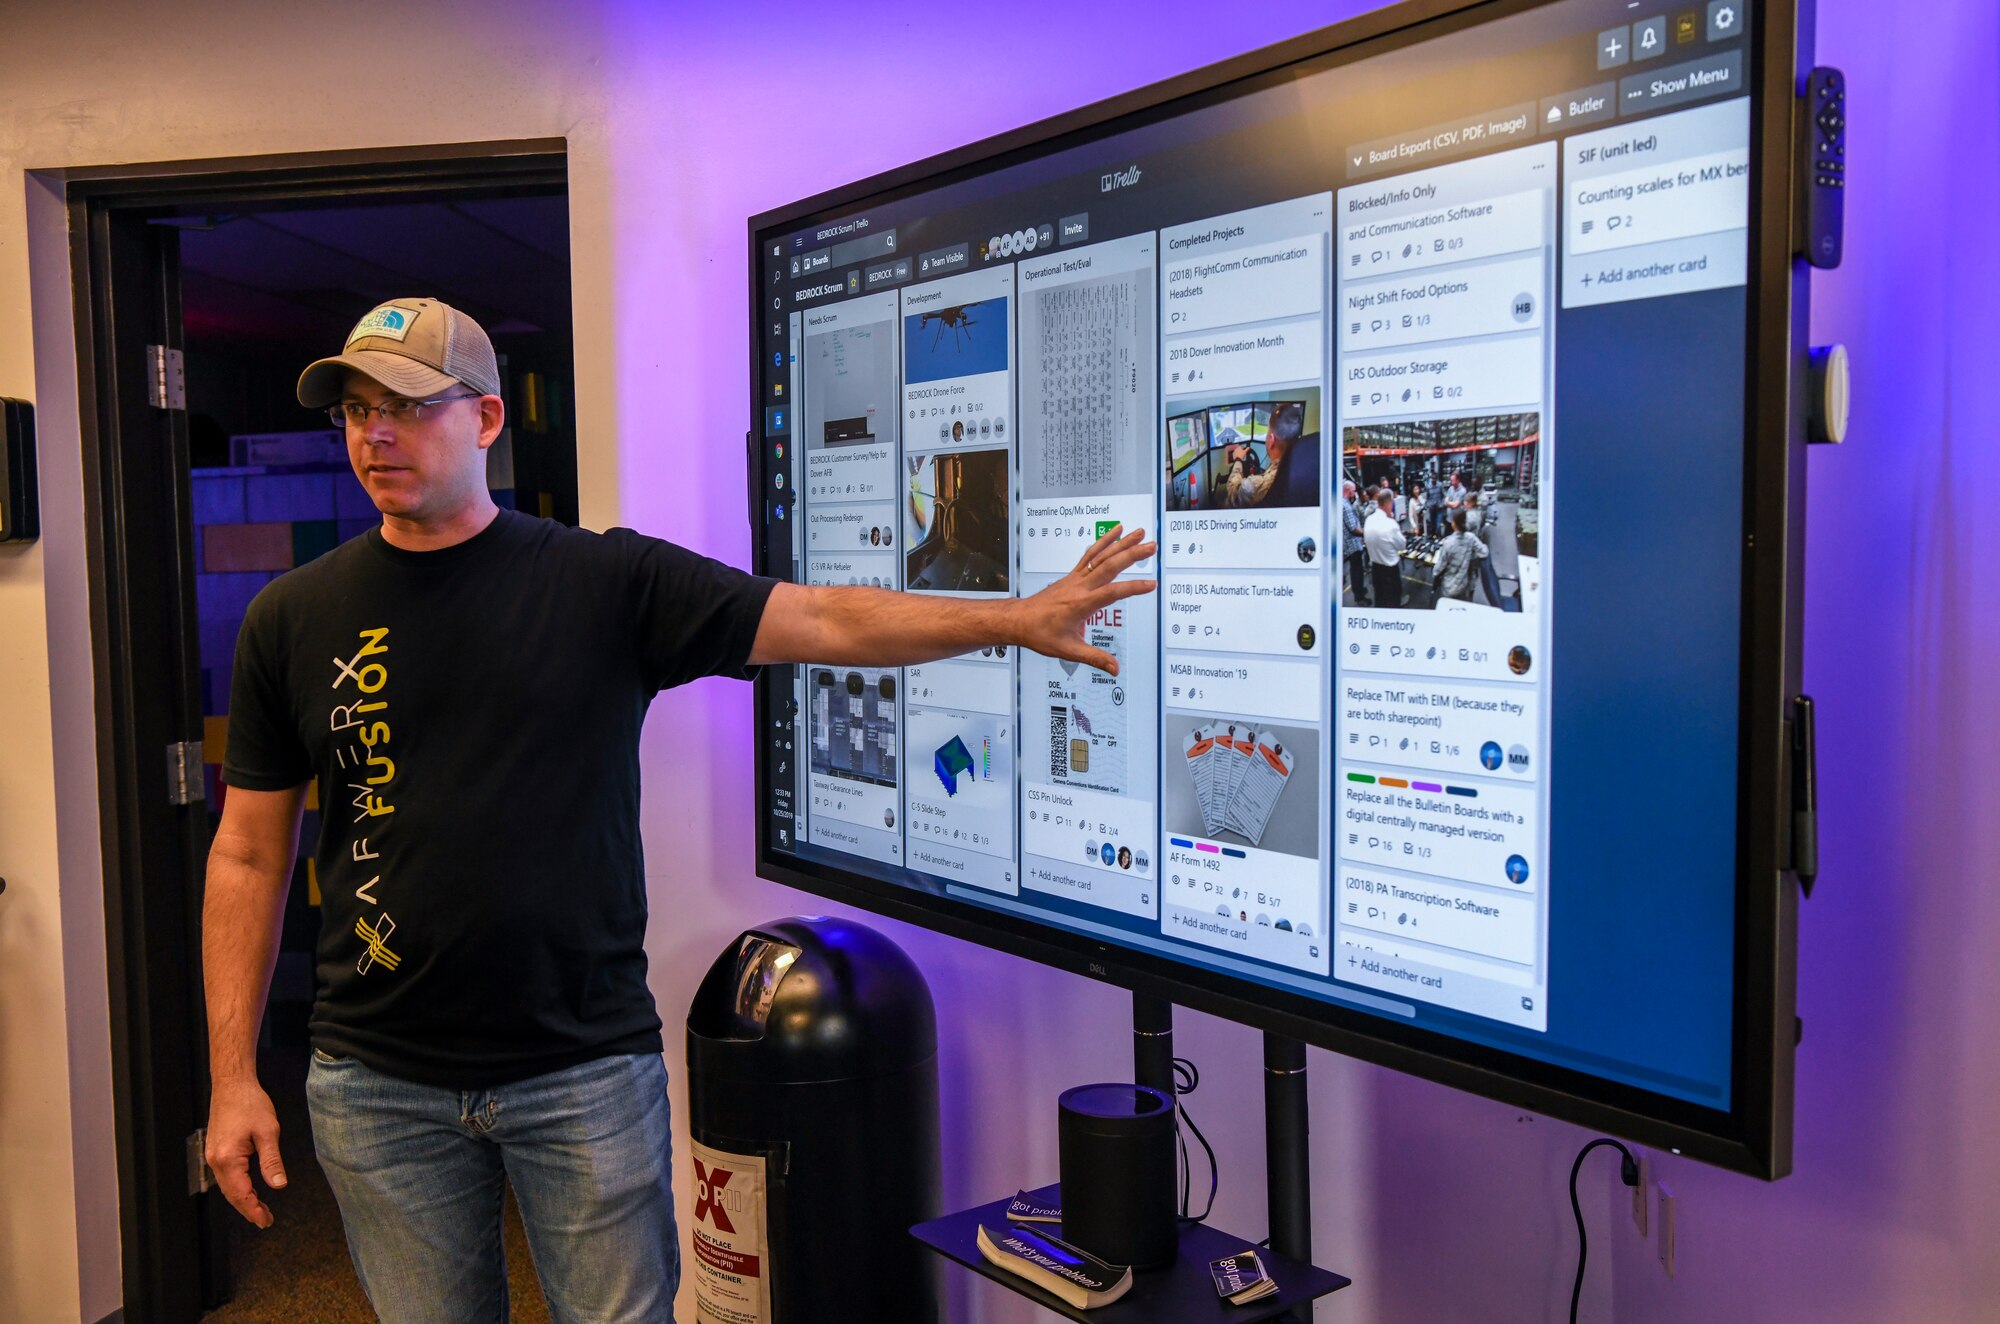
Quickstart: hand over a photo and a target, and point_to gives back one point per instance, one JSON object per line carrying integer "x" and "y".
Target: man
{"x": 1291, "y": 472}
{"x": 1353, "y": 545}
{"x": 466, "y": 686}
{"x": 1385, "y": 543}
{"x": 1481, "y": 522}
{"x": 1454, "y": 495}
{"x": 1457, "y": 557}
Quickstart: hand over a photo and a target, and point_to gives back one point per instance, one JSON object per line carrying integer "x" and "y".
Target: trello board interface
{"x": 1426, "y": 372}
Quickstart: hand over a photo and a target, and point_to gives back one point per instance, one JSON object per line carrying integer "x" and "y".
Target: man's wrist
{"x": 1008, "y": 622}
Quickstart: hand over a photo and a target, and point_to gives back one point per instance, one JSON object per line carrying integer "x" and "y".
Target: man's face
{"x": 423, "y": 470}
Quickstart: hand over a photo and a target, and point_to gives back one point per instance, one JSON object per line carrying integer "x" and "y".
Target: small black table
{"x": 1182, "y": 1293}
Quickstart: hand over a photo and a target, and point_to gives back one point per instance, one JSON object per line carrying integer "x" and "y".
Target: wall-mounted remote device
{"x": 1823, "y": 166}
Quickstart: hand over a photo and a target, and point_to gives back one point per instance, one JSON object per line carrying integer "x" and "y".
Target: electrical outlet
{"x": 1667, "y": 1228}
{"x": 1642, "y": 1194}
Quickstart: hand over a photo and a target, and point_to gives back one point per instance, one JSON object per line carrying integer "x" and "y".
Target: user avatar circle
{"x": 1307, "y": 549}
{"x": 957, "y": 431}
{"x": 875, "y": 536}
{"x": 1107, "y": 854}
{"x": 1517, "y": 870}
{"x": 1306, "y": 637}
{"x": 1517, "y": 759}
{"x": 1489, "y": 756}
{"x": 1124, "y": 857}
{"x": 888, "y": 818}
{"x": 1519, "y": 659}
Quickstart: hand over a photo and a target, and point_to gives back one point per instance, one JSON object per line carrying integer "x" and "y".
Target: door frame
{"x": 139, "y": 547}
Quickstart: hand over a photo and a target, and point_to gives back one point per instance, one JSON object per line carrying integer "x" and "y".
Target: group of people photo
{"x": 1429, "y": 521}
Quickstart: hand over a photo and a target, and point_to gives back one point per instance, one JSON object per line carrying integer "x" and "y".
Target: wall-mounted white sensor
{"x": 1828, "y": 366}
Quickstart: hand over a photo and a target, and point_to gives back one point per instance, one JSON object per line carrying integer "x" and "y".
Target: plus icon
{"x": 1612, "y": 47}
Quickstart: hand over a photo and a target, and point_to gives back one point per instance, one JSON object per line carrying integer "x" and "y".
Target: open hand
{"x": 1053, "y": 620}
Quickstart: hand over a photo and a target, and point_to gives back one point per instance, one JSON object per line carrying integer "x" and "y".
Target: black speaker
{"x": 1116, "y": 1148}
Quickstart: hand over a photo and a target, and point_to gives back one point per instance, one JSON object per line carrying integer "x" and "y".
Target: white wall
{"x": 684, "y": 119}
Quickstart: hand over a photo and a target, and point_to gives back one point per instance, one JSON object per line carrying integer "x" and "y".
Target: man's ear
{"x": 492, "y": 418}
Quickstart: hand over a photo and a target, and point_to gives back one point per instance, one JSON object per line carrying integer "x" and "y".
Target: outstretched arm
{"x": 875, "y": 627}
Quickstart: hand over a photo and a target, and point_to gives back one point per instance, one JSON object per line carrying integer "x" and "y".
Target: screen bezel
{"x": 1755, "y": 1135}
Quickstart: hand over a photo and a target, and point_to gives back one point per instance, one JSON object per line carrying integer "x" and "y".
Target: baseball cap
{"x": 415, "y": 347}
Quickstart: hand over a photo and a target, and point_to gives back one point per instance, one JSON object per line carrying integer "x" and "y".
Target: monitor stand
{"x": 1287, "y": 1152}
{"x": 1184, "y": 1293}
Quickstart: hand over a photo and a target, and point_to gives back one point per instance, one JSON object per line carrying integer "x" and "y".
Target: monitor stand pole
{"x": 1287, "y": 1166}
{"x": 1287, "y": 1154}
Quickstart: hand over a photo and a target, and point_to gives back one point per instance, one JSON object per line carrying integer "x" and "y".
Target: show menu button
{"x": 1712, "y": 75}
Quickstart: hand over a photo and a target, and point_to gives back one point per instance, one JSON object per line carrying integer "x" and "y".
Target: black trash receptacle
{"x": 813, "y": 1105}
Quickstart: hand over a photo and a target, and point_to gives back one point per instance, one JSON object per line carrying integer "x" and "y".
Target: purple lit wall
{"x": 1443, "y": 1207}
{"x": 1898, "y": 1074}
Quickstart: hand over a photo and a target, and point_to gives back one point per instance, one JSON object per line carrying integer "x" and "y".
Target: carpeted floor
{"x": 297, "y": 1271}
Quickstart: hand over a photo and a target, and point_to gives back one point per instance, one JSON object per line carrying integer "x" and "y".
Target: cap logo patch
{"x": 386, "y": 322}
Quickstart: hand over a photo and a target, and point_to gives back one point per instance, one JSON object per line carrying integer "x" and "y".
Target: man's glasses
{"x": 354, "y": 414}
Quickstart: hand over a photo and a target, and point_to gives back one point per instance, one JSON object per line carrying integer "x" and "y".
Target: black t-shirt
{"x": 472, "y": 717}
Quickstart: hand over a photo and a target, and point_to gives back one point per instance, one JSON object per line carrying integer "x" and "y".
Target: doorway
{"x": 202, "y": 291}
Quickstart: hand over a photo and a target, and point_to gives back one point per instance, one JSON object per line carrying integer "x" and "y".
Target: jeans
{"x": 419, "y": 1170}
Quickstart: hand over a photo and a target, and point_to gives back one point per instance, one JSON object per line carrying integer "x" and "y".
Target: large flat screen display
{"x": 1445, "y": 354}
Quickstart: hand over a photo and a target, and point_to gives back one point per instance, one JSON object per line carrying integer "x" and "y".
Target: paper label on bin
{"x": 732, "y": 1283}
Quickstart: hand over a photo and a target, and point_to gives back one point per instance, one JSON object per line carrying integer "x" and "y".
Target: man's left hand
{"x": 1053, "y": 620}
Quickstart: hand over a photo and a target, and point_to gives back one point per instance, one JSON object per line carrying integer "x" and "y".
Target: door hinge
{"x": 166, "y": 378}
{"x": 184, "y": 782}
{"x": 200, "y": 1178}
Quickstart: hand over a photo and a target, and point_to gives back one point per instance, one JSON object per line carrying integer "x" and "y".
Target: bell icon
{"x": 1649, "y": 39}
